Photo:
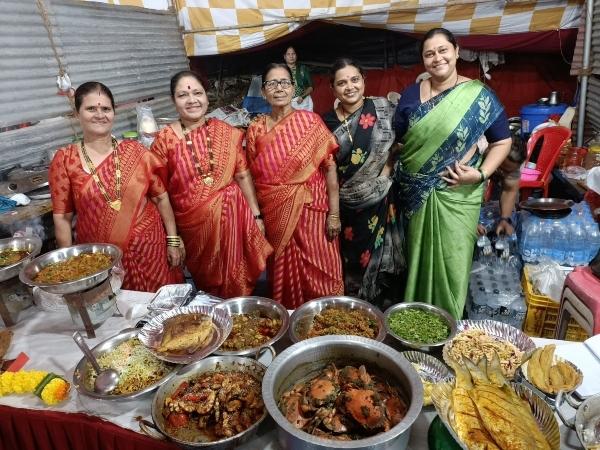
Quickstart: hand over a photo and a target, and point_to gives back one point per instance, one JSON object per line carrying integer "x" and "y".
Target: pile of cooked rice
{"x": 474, "y": 344}
{"x": 137, "y": 367}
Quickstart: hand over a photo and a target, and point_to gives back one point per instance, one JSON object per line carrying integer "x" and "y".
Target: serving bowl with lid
{"x": 305, "y": 358}
{"x": 302, "y": 318}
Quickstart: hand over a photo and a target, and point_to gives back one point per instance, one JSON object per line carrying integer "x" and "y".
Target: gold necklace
{"x": 207, "y": 178}
{"x": 431, "y": 87}
{"x": 116, "y": 203}
{"x": 345, "y": 120}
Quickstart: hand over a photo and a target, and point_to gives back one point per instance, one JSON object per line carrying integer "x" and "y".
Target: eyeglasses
{"x": 272, "y": 84}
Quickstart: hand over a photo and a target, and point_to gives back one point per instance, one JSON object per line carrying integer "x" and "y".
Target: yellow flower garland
{"x": 51, "y": 388}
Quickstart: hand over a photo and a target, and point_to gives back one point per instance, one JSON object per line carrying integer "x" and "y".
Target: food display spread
{"x": 344, "y": 404}
{"x": 136, "y": 366}
{"x": 475, "y": 344}
{"x": 10, "y": 257}
{"x": 74, "y": 268}
{"x": 338, "y": 320}
{"x": 250, "y": 330}
{"x": 186, "y": 333}
{"x": 214, "y": 405}
{"x": 417, "y": 325}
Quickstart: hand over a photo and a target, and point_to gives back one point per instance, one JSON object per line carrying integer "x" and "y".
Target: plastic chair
{"x": 553, "y": 139}
{"x": 580, "y": 301}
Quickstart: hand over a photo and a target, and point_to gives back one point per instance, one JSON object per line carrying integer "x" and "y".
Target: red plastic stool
{"x": 581, "y": 301}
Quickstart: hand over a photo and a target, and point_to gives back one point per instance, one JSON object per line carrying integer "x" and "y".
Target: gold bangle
{"x": 173, "y": 237}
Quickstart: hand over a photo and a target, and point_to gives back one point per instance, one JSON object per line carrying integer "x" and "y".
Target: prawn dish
{"x": 344, "y": 404}
{"x": 214, "y": 406}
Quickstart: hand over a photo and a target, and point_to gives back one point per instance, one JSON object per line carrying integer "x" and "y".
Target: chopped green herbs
{"x": 418, "y": 325}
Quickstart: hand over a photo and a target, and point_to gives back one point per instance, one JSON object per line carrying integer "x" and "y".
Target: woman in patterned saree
{"x": 372, "y": 235}
{"x": 116, "y": 189}
{"x": 291, "y": 155}
{"x": 212, "y": 194}
{"x": 439, "y": 122}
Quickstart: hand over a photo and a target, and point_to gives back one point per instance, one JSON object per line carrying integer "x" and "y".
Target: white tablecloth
{"x": 46, "y": 338}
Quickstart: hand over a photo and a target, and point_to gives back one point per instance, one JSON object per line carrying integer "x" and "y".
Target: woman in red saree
{"x": 291, "y": 160}
{"x": 117, "y": 193}
{"x": 212, "y": 194}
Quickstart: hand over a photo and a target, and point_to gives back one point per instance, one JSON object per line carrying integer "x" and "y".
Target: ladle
{"x": 107, "y": 379}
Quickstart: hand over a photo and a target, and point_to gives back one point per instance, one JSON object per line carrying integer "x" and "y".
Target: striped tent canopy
{"x": 222, "y": 26}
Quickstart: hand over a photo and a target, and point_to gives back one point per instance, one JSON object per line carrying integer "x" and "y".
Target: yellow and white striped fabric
{"x": 223, "y": 26}
{"x": 150, "y": 4}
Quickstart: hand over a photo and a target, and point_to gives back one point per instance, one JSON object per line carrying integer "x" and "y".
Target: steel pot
{"x": 33, "y": 245}
{"x": 213, "y": 363}
{"x": 587, "y": 418}
{"x": 304, "y": 358}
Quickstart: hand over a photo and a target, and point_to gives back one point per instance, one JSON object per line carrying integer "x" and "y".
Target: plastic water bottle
{"x": 592, "y": 241}
{"x": 531, "y": 240}
{"x": 518, "y": 312}
{"x": 576, "y": 244}
{"x": 558, "y": 241}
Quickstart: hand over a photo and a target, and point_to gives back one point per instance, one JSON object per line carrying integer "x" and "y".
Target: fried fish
{"x": 186, "y": 333}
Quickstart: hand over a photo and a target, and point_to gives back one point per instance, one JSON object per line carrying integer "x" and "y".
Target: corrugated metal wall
{"x": 133, "y": 51}
{"x": 592, "y": 107}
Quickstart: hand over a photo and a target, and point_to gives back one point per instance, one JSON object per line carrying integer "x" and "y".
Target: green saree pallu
{"x": 442, "y": 221}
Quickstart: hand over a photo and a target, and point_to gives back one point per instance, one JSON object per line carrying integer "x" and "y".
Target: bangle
{"x": 482, "y": 174}
{"x": 173, "y": 241}
{"x": 258, "y": 216}
{"x": 508, "y": 220}
{"x": 334, "y": 215}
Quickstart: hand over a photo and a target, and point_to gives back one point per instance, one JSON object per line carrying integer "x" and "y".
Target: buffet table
{"x": 86, "y": 423}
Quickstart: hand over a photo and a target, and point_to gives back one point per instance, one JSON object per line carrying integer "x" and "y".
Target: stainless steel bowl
{"x": 444, "y": 315}
{"x": 83, "y": 368}
{"x": 267, "y": 307}
{"x": 30, "y": 270}
{"x": 213, "y": 363}
{"x": 32, "y": 245}
{"x": 302, "y": 318}
{"x": 306, "y": 357}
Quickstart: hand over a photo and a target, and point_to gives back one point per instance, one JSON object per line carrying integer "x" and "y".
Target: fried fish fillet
{"x": 186, "y": 332}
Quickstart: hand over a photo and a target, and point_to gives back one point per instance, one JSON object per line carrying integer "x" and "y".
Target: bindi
{"x": 189, "y": 88}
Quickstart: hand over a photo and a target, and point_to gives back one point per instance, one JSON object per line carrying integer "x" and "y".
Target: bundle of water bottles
{"x": 573, "y": 240}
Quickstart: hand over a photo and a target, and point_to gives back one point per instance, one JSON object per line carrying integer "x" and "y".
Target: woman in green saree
{"x": 438, "y": 123}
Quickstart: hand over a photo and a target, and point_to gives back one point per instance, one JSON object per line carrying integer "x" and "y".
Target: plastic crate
{"x": 542, "y": 315}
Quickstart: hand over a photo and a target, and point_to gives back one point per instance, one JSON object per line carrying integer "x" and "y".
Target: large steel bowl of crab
{"x": 342, "y": 392}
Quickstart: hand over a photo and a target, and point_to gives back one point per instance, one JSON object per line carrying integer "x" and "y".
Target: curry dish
{"x": 74, "y": 268}
{"x": 250, "y": 331}
{"x": 334, "y": 320}
{"x": 344, "y": 404}
{"x": 10, "y": 257}
{"x": 213, "y": 406}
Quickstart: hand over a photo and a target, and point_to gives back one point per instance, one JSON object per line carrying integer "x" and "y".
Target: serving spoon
{"x": 107, "y": 379}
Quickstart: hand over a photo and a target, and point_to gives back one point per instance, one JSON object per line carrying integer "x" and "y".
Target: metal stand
{"x": 80, "y": 301}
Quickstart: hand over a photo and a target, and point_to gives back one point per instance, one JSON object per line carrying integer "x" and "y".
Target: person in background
{"x": 212, "y": 193}
{"x": 302, "y": 81}
{"x": 438, "y": 122}
{"x": 292, "y": 159}
{"x": 116, "y": 190}
{"x": 372, "y": 236}
{"x": 505, "y": 180}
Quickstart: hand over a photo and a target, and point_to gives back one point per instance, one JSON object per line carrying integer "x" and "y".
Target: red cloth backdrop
{"x": 26, "y": 429}
{"x": 521, "y": 80}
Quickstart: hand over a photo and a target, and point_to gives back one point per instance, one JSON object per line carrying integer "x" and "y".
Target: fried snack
{"x": 186, "y": 332}
{"x": 5, "y": 339}
{"x": 550, "y": 376}
{"x": 475, "y": 344}
{"x": 497, "y": 417}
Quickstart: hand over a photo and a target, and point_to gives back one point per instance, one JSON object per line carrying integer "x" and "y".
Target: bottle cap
{"x": 130, "y": 135}
{"x": 530, "y": 165}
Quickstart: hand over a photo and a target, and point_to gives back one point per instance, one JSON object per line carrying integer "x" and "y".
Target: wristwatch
{"x": 506, "y": 219}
